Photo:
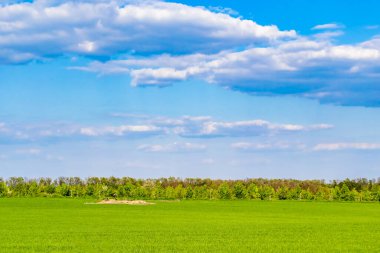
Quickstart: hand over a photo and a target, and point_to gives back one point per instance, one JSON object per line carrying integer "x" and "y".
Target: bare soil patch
{"x": 124, "y": 202}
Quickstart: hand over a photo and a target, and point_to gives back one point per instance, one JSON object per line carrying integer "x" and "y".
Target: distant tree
{"x": 224, "y": 191}
{"x": 239, "y": 190}
{"x": 253, "y": 191}
{"x": 179, "y": 192}
{"x": 294, "y": 193}
{"x": 32, "y": 188}
{"x": 189, "y": 192}
{"x": 266, "y": 192}
{"x": 3, "y": 189}
{"x": 307, "y": 195}
{"x": 200, "y": 192}
{"x": 63, "y": 190}
{"x": 169, "y": 193}
{"x": 282, "y": 193}
{"x": 193, "y": 188}
{"x": 345, "y": 193}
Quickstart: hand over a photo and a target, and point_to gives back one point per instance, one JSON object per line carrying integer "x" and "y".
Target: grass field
{"x": 68, "y": 225}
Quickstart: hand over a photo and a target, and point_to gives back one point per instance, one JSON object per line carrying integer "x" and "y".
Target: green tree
{"x": 3, "y": 189}
{"x": 224, "y": 191}
{"x": 345, "y": 193}
{"x": 266, "y": 192}
{"x": 282, "y": 193}
{"x": 239, "y": 190}
{"x": 253, "y": 191}
{"x": 189, "y": 192}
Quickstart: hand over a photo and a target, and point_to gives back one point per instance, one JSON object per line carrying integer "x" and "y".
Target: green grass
{"x": 67, "y": 225}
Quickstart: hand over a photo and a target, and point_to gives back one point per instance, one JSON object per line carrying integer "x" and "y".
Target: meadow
{"x": 70, "y": 225}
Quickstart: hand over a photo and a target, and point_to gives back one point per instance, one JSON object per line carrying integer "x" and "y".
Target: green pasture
{"x": 69, "y": 225}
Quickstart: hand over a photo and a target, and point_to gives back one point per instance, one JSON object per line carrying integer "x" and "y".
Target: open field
{"x": 68, "y": 225}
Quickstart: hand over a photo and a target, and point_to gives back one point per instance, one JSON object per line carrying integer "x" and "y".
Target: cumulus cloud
{"x": 43, "y": 29}
{"x": 317, "y": 69}
{"x": 160, "y": 43}
{"x": 347, "y": 146}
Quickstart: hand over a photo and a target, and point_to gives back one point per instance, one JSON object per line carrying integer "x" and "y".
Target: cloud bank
{"x": 337, "y": 74}
{"x": 161, "y": 43}
{"x": 42, "y": 29}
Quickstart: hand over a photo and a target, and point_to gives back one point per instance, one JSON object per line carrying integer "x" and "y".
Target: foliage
{"x": 192, "y": 188}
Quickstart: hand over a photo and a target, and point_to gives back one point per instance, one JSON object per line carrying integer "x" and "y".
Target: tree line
{"x": 192, "y": 188}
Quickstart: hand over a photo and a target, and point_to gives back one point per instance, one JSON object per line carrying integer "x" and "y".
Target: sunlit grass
{"x": 68, "y": 225}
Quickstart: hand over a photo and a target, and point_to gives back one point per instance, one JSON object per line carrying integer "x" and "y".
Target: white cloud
{"x": 207, "y": 127}
{"x": 297, "y": 146}
{"x": 329, "y": 26}
{"x": 53, "y": 131}
{"x": 147, "y": 126}
{"x": 339, "y": 74}
{"x": 43, "y": 29}
{"x": 122, "y": 130}
{"x": 172, "y": 147}
{"x": 270, "y": 146}
{"x": 328, "y": 35}
{"x": 347, "y": 146}
{"x": 240, "y": 128}
{"x": 160, "y": 43}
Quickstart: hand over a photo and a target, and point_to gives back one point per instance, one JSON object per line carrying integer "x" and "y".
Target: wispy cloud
{"x": 329, "y": 26}
{"x": 299, "y": 146}
{"x": 268, "y": 146}
{"x": 186, "y": 127}
{"x": 207, "y": 127}
{"x": 123, "y": 130}
{"x": 59, "y": 131}
{"x": 347, "y": 146}
{"x": 172, "y": 147}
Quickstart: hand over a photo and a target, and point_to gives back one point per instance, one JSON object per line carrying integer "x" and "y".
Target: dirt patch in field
{"x": 124, "y": 202}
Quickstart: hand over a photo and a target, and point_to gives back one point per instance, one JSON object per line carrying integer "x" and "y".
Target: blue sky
{"x": 220, "y": 89}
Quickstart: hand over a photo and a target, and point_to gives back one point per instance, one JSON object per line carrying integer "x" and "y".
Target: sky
{"x": 217, "y": 89}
